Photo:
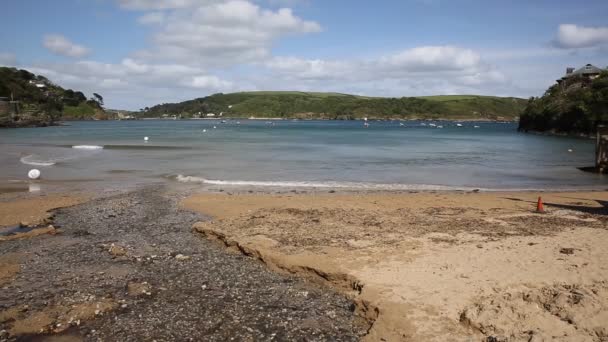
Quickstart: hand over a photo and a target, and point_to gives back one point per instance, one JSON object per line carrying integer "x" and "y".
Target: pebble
{"x": 181, "y": 257}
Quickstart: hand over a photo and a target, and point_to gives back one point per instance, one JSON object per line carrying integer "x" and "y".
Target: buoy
{"x": 204, "y": 131}
{"x": 539, "y": 205}
{"x": 214, "y": 127}
{"x": 569, "y": 150}
{"x": 145, "y": 138}
{"x": 34, "y": 174}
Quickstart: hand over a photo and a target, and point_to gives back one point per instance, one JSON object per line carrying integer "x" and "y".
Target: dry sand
{"x": 437, "y": 266}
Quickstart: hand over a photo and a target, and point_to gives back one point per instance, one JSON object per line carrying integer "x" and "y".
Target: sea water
{"x": 286, "y": 153}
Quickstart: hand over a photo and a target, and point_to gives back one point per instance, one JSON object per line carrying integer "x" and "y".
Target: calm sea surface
{"x": 386, "y": 155}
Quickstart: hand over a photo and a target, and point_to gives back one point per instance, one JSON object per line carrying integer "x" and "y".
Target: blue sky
{"x": 142, "y": 52}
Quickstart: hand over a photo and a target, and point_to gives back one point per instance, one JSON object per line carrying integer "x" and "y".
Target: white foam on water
{"x": 36, "y": 161}
{"x": 307, "y": 184}
{"x": 87, "y": 147}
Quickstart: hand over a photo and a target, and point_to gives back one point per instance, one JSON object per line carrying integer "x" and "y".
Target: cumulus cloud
{"x": 7, "y": 59}
{"x": 571, "y": 36}
{"x": 222, "y": 33}
{"x": 132, "y": 83}
{"x": 452, "y": 65}
{"x": 432, "y": 58}
{"x": 62, "y": 46}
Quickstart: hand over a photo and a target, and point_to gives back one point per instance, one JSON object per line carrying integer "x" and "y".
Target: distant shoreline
{"x": 325, "y": 119}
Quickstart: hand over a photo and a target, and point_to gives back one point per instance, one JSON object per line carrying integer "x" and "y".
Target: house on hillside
{"x": 588, "y": 72}
{"x": 38, "y": 84}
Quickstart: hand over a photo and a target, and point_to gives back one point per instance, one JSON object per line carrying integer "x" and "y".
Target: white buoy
{"x": 145, "y": 138}
{"x": 34, "y": 174}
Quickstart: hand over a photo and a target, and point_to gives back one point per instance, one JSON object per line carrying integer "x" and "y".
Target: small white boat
{"x": 432, "y": 125}
{"x": 459, "y": 125}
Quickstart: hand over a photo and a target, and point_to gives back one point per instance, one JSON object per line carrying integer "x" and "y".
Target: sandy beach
{"x": 171, "y": 263}
{"x": 435, "y": 266}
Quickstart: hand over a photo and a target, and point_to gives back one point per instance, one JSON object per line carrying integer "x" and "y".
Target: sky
{"x": 139, "y": 53}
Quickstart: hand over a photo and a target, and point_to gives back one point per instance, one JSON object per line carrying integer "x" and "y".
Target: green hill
{"x": 27, "y": 99}
{"x": 574, "y": 106}
{"x": 315, "y": 105}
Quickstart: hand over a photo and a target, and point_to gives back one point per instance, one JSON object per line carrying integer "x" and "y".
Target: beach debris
{"x": 145, "y": 138}
{"x": 566, "y": 250}
{"x": 117, "y": 251}
{"x": 540, "y": 208}
{"x": 181, "y": 257}
{"x": 34, "y": 174}
{"x": 139, "y": 288}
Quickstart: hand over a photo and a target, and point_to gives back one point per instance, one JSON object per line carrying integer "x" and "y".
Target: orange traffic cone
{"x": 539, "y": 206}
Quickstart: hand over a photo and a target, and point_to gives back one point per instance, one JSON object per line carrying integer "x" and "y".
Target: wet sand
{"x": 33, "y": 209}
{"x": 436, "y": 266}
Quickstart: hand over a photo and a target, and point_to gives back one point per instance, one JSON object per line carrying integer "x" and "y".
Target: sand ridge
{"x": 433, "y": 264}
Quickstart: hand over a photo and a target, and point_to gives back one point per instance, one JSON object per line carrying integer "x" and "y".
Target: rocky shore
{"x": 129, "y": 268}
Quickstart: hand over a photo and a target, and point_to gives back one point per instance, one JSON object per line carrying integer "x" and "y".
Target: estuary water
{"x": 415, "y": 155}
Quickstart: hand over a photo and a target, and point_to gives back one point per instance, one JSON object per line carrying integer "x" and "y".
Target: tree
{"x": 98, "y": 98}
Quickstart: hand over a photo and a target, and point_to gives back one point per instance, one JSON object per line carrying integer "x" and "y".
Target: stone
{"x": 181, "y": 257}
{"x": 117, "y": 251}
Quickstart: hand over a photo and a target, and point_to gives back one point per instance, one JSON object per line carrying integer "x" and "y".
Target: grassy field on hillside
{"x": 317, "y": 105}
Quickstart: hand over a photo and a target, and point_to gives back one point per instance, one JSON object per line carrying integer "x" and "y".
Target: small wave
{"x": 87, "y": 147}
{"x": 146, "y": 147}
{"x": 304, "y": 184}
{"x": 32, "y": 160}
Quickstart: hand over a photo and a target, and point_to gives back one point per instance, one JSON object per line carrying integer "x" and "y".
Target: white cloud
{"x": 432, "y": 59}
{"x": 571, "y": 36}
{"x": 223, "y": 33}
{"x": 152, "y": 18}
{"x": 209, "y": 82}
{"x": 454, "y": 66}
{"x": 425, "y": 70}
{"x": 132, "y": 83}
{"x": 62, "y": 46}
{"x": 160, "y": 4}
{"x": 7, "y": 59}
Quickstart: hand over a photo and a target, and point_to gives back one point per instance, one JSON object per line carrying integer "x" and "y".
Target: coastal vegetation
{"x": 27, "y": 99}
{"x": 315, "y": 105}
{"x": 575, "y": 105}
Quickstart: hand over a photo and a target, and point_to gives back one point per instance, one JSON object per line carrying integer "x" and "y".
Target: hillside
{"x": 574, "y": 106}
{"x": 27, "y": 99}
{"x": 314, "y": 105}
